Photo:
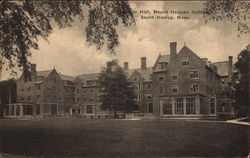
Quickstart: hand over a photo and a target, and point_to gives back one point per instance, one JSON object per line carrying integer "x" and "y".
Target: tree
{"x": 235, "y": 11}
{"x": 7, "y": 93}
{"x": 22, "y": 22}
{"x": 117, "y": 92}
{"x": 240, "y": 83}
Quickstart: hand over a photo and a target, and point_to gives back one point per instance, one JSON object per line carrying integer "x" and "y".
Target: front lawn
{"x": 122, "y": 138}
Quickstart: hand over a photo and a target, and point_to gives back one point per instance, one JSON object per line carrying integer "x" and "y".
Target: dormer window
{"x": 160, "y": 77}
{"x": 163, "y": 65}
{"x": 185, "y": 63}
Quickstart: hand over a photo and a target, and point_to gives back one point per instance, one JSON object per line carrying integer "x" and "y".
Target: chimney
{"x": 33, "y": 68}
{"x": 173, "y": 50}
{"x": 230, "y": 59}
{"x": 125, "y": 65}
{"x": 143, "y": 63}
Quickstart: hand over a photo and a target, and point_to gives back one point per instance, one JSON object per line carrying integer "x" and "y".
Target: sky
{"x": 68, "y": 51}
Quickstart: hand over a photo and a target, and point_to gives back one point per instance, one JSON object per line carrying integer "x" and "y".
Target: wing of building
{"x": 180, "y": 84}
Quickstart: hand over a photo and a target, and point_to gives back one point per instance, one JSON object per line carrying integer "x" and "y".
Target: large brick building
{"x": 178, "y": 85}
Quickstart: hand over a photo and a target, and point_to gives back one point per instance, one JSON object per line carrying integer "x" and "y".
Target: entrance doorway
{"x": 53, "y": 109}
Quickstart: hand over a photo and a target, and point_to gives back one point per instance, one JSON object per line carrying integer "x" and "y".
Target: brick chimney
{"x": 33, "y": 68}
{"x": 230, "y": 59}
{"x": 125, "y": 65}
{"x": 143, "y": 62}
{"x": 173, "y": 50}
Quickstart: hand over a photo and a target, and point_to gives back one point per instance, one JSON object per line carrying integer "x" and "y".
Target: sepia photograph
{"x": 124, "y": 78}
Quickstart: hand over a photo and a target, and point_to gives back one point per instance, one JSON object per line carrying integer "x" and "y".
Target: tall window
{"x": 167, "y": 107}
{"x": 89, "y": 109}
{"x": 161, "y": 90}
{"x": 148, "y": 86}
{"x": 39, "y": 87}
{"x": 194, "y": 74}
{"x": 212, "y": 106}
{"x": 185, "y": 63}
{"x": 179, "y": 108}
{"x": 38, "y": 109}
{"x": 203, "y": 106}
{"x": 190, "y": 106}
{"x": 174, "y": 89}
{"x": 194, "y": 87}
{"x": 150, "y": 108}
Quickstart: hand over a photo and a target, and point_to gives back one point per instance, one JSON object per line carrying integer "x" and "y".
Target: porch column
{"x": 184, "y": 105}
{"x": 161, "y": 106}
{"x": 173, "y": 105}
{"x": 197, "y": 104}
{"x": 14, "y": 109}
{"x": 21, "y": 110}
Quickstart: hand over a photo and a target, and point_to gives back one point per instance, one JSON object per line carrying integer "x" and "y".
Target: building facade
{"x": 178, "y": 85}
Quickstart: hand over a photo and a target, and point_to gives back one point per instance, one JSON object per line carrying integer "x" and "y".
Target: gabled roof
{"x": 164, "y": 58}
{"x": 90, "y": 76}
{"x": 222, "y": 68}
{"x": 43, "y": 73}
{"x": 185, "y": 49}
{"x": 145, "y": 73}
{"x": 67, "y": 77}
{"x": 160, "y": 59}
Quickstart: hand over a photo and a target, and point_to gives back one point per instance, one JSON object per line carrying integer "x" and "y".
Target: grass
{"x": 122, "y": 138}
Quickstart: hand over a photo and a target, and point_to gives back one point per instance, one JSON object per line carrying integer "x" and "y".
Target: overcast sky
{"x": 68, "y": 52}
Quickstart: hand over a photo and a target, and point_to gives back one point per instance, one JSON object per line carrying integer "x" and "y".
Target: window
{"x": 148, "y": 86}
{"x": 148, "y": 96}
{"x": 92, "y": 91}
{"x": 91, "y": 99}
{"x": 89, "y": 109}
{"x": 22, "y": 89}
{"x": 22, "y": 98}
{"x": 38, "y": 109}
{"x": 29, "y": 97}
{"x": 29, "y": 88}
{"x": 77, "y": 91}
{"x": 174, "y": 76}
{"x": 161, "y": 90}
{"x": 163, "y": 65}
{"x": 150, "y": 108}
{"x": 167, "y": 107}
{"x": 38, "y": 97}
{"x": 84, "y": 91}
{"x": 48, "y": 97}
{"x": 212, "y": 106}
{"x": 203, "y": 106}
{"x": 190, "y": 106}
{"x": 160, "y": 78}
{"x": 135, "y": 79}
{"x": 59, "y": 98}
{"x": 84, "y": 99}
{"x": 138, "y": 96}
{"x": 54, "y": 97}
{"x": 194, "y": 87}
{"x": 179, "y": 106}
{"x": 174, "y": 89}
{"x": 89, "y": 82}
{"x": 17, "y": 110}
{"x": 194, "y": 74}
{"x": 77, "y": 99}
{"x": 185, "y": 63}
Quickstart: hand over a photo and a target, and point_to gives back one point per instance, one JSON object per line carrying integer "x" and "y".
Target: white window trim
{"x": 198, "y": 74}
{"x": 193, "y": 85}
{"x": 173, "y": 87}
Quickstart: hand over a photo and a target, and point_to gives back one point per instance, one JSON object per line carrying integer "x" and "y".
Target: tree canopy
{"x": 23, "y": 22}
{"x": 235, "y": 11}
{"x": 240, "y": 82}
{"x": 117, "y": 93}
